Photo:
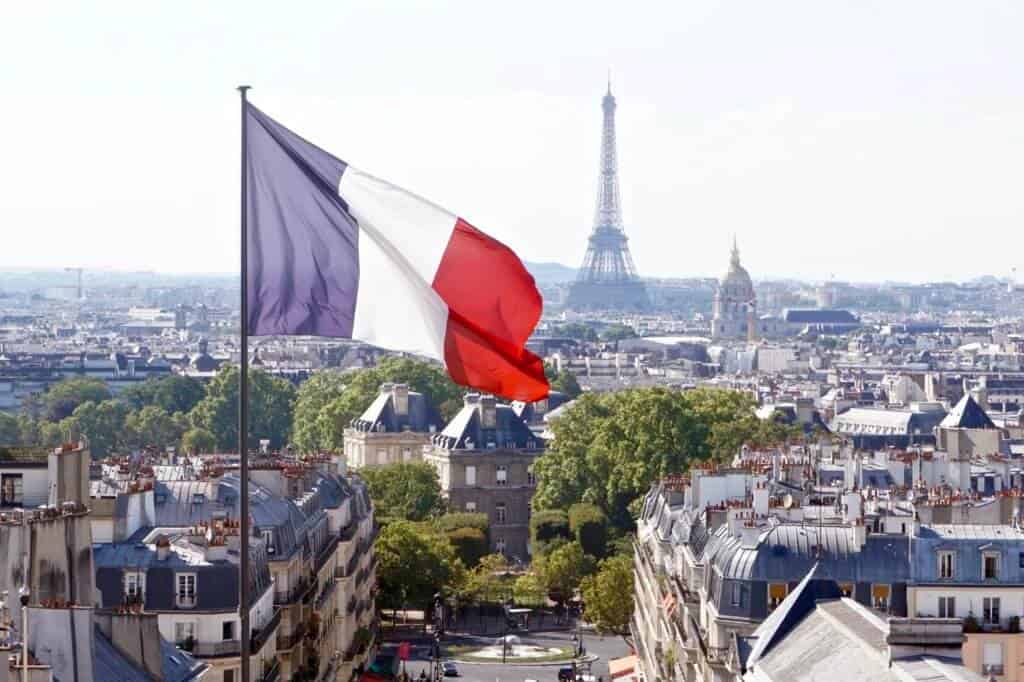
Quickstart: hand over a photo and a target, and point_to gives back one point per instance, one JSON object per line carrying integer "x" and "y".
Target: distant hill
{"x": 551, "y": 273}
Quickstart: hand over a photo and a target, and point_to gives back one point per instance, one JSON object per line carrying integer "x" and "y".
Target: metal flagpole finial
{"x": 244, "y": 88}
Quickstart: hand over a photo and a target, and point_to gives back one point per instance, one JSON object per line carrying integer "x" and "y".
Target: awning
{"x": 621, "y": 667}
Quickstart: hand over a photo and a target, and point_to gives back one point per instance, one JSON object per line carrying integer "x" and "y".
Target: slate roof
{"x": 838, "y": 638}
{"x": 967, "y": 414}
{"x": 797, "y": 604}
{"x": 111, "y": 664}
{"x": 789, "y": 551}
{"x": 466, "y": 431}
{"x": 381, "y": 416}
{"x": 187, "y": 502}
{"x": 968, "y": 542}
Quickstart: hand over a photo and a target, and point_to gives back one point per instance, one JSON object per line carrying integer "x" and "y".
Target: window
{"x": 382, "y": 456}
{"x": 530, "y": 478}
{"x": 947, "y": 607}
{"x": 499, "y": 545}
{"x": 990, "y": 610}
{"x": 776, "y": 593}
{"x": 184, "y": 633}
{"x": 880, "y": 597}
{"x": 947, "y": 564}
{"x": 470, "y": 475}
{"x": 990, "y": 565}
{"x": 229, "y": 675}
{"x": 407, "y": 455}
{"x": 737, "y": 594}
{"x": 11, "y": 490}
{"x": 502, "y": 475}
{"x": 846, "y": 589}
{"x": 186, "y": 593}
{"x": 500, "y": 512}
{"x": 134, "y": 586}
{"x": 198, "y": 499}
{"x": 228, "y": 630}
{"x": 471, "y": 506}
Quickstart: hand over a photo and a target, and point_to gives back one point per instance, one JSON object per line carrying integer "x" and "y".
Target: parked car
{"x": 565, "y": 675}
{"x": 450, "y": 669}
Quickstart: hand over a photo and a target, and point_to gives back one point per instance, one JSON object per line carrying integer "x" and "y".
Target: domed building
{"x": 735, "y": 304}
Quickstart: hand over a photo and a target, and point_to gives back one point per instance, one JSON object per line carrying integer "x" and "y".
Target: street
{"x": 603, "y": 647}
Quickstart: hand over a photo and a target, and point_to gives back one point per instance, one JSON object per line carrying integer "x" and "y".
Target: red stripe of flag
{"x": 493, "y": 307}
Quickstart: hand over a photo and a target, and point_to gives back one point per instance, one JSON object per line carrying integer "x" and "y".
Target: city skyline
{"x": 856, "y": 141}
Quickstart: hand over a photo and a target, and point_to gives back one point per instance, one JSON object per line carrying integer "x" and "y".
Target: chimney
{"x": 68, "y": 472}
{"x": 163, "y": 548}
{"x": 136, "y": 636}
{"x": 488, "y": 412}
{"x": 852, "y": 507}
{"x": 400, "y": 398}
{"x": 761, "y": 499}
{"x": 750, "y": 534}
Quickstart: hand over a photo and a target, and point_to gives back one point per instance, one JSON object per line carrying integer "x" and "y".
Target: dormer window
{"x": 134, "y": 586}
{"x": 947, "y": 565}
{"x": 198, "y": 499}
{"x": 185, "y": 594}
{"x": 990, "y": 565}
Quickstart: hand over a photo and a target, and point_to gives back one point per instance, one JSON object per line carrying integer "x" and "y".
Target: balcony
{"x": 284, "y": 597}
{"x": 325, "y": 554}
{"x": 348, "y": 532}
{"x": 271, "y": 671}
{"x": 261, "y": 635}
{"x": 290, "y": 640}
{"x": 228, "y": 647}
{"x": 325, "y": 594}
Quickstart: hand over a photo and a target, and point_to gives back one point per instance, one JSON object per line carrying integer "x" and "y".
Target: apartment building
{"x": 394, "y": 428}
{"x": 484, "y": 458}
{"x": 173, "y": 551}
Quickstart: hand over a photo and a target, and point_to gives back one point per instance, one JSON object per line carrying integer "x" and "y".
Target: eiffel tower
{"x": 607, "y": 279}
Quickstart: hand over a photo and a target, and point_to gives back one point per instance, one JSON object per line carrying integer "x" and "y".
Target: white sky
{"x": 874, "y": 141}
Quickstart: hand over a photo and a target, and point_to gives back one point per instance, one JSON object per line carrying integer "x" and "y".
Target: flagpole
{"x": 243, "y": 408}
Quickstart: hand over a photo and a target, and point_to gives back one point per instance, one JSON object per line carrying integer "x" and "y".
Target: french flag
{"x": 334, "y": 251}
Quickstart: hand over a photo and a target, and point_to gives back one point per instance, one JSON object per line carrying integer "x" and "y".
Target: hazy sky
{"x": 870, "y": 140}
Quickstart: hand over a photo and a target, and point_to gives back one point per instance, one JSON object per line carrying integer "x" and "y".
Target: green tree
{"x": 270, "y": 409}
{"x": 9, "y": 431}
{"x": 528, "y": 590}
{"x": 310, "y": 400}
{"x": 608, "y": 448}
{"x": 405, "y": 490}
{"x": 487, "y": 582}
{"x": 153, "y": 426}
{"x": 470, "y": 544}
{"x": 198, "y": 441}
{"x": 589, "y": 527}
{"x": 617, "y": 332}
{"x": 61, "y": 400}
{"x": 561, "y": 571}
{"x": 415, "y": 562}
{"x": 549, "y": 528}
{"x": 608, "y": 596}
{"x": 565, "y": 382}
{"x": 177, "y": 393}
{"x": 103, "y": 424}
{"x": 575, "y": 330}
